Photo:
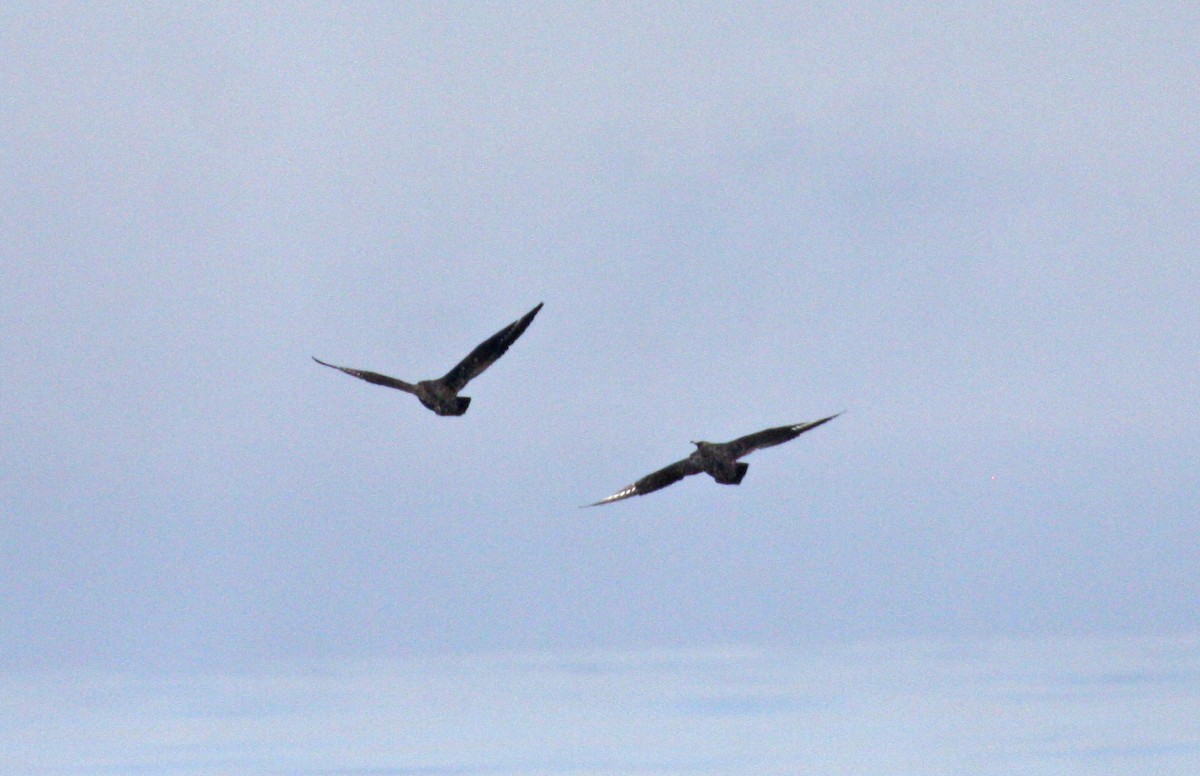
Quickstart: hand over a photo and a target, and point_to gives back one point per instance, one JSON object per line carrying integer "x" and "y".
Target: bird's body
{"x": 441, "y": 398}
{"x": 441, "y": 394}
{"x": 719, "y": 460}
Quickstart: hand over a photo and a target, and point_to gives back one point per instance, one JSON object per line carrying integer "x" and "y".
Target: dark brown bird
{"x": 718, "y": 459}
{"x": 441, "y": 395}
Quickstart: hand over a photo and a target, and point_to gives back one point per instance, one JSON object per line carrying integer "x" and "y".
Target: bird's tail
{"x": 737, "y": 476}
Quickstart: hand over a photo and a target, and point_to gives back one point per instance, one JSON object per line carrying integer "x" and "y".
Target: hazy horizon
{"x": 958, "y": 707}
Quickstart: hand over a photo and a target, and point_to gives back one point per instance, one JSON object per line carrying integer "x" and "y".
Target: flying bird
{"x": 718, "y": 459}
{"x": 441, "y": 395}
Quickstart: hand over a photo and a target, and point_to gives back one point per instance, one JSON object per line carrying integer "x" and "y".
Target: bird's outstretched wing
{"x": 668, "y": 475}
{"x": 771, "y": 437}
{"x": 486, "y": 353}
{"x": 371, "y": 377}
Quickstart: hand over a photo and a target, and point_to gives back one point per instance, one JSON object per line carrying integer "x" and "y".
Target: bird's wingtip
{"x": 814, "y": 423}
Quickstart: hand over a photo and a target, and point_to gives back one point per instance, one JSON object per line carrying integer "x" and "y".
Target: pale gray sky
{"x": 974, "y": 230}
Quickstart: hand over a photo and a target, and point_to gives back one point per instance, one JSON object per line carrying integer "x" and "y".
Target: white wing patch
{"x": 626, "y": 492}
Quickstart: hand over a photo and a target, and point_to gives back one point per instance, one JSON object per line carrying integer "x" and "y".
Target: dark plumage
{"x": 441, "y": 395}
{"x": 718, "y": 459}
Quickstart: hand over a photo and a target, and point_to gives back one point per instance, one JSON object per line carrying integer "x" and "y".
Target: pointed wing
{"x": 771, "y": 437}
{"x": 486, "y": 353}
{"x": 370, "y": 377}
{"x": 668, "y": 475}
